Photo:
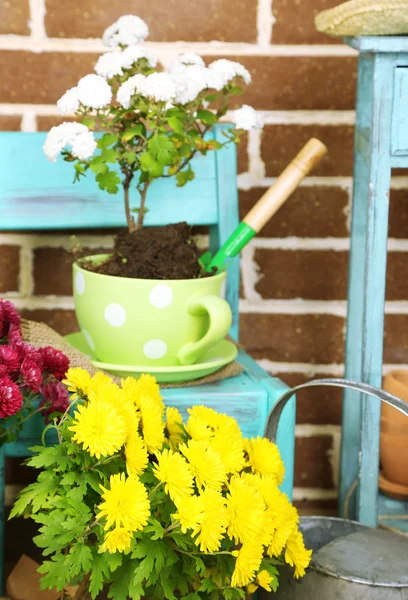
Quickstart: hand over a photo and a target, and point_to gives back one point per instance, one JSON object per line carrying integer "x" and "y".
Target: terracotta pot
{"x": 394, "y": 431}
{"x": 396, "y": 382}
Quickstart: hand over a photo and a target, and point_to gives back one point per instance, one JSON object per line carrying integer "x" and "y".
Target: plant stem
{"x": 156, "y": 487}
{"x": 129, "y": 217}
{"x": 140, "y": 216}
{"x": 83, "y": 587}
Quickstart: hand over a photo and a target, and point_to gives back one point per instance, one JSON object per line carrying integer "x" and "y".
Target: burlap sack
{"x": 40, "y": 334}
{"x": 365, "y": 17}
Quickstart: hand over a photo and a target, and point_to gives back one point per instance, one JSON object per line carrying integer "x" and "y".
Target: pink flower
{"x": 55, "y": 399}
{"x": 31, "y": 373}
{"x": 11, "y": 399}
{"x": 14, "y": 334}
{"x": 28, "y": 351}
{"x": 54, "y": 361}
{"x": 9, "y": 358}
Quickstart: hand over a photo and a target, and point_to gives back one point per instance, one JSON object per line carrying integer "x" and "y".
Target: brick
{"x": 312, "y": 275}
{"x": 10, "y": 123}
{"x": 40, "y": 78}
{"x": 398, "y": 217}
{"x": 310, "y": 212}
{"x": 298, "y": 82}
{"x": 317, "y": 406}
{"x": 14, "y": 17}
{"x": 295, "y": 22}
{"x": 168, "y": 21}
{"x": 397, "y": 283}
{"x": 45, "y": 123}
{"x": 396, "y": 339}
{"x": 280, "y": 143}
{"x": 53, "y": 270}
{"x": 293, "y": 338}
{"x": 242, "y": 154}
{"x": 309, "y": 507}
{"x": 63, "y": 321}
{"x": 312, "y": 457}
{"x": 9, "y": 268}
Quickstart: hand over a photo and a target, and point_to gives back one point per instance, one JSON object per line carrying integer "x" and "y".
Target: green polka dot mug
{"x": 146, "y": 322}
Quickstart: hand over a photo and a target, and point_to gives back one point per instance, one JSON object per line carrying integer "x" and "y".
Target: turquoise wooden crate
{"x": 38, "y": 195}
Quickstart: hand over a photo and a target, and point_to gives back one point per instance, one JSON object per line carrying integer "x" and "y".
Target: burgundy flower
{"x": 54, "y": 361}
{"x": 3, "y": 371}
{"x": 55, "y": 399}
{"x": 14, "y": 334}
{"x": 31, "y": 373}
{"x": 9, "y": 320}
{"x": 28, "y": 351}
{"x": 11, "y": 399}
{"x": 9, "y": 358}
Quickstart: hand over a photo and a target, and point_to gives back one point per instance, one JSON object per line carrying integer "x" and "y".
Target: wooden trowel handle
{"x": 285, "y": 184}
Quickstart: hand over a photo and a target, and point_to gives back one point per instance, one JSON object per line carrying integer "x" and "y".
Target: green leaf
{"x": 156, "y": 528}
{"x": 184, "y": 176}
{"x": 132, "y": 132}
{"x": 108, "y": 155}
{"x": 122, "y": 581}
{"x": 162, "y": 149}
{"x": 99, "y": 574}
{"x": 150, "y": 165}
{"x": 98, "y": 168}
{"x": 54, "y": 574}
{"x": 107, "y": 140}
{"x": 207, "y": 117}
{"x": 130, "y": 157}
{"x": 176, "y": 124}
{"x": 79, "y": 559}
{"x": 109, "y": 181}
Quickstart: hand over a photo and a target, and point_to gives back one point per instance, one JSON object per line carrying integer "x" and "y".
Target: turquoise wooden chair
{"x": 35, "y": 194}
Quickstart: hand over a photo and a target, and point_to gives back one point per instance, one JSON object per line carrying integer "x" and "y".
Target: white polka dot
{"x": 79, "y": 283}
{"x": 89, "y": 340}
{"x": 161, "y": 296}
{"x": 115, "y": 314}
{"x": 155, "y": 349}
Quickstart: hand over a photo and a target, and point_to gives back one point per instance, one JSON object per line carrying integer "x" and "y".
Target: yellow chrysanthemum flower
{"x": 125, "y": 504}
{"x": 100, "y": 382}
{"x": 211, "y": 527}
{"x": 145, "y": 386}
{"x": 251, "y": 588}
{"x": 174, "y": 422}
{"x": 229, "y": 444}
{"x": 198, "y": 429}
{"x": 206, "y": 465}
{"x": 249, "y": 558}
{"x": 189, "y": 512}
{"x": 129, "y": 412}
{"x": 136, "y": 455}
{"x": 288, "y": 524}
{"x": 99, "y": 427}
{"x": 296, "y": 554}
{"x": 129, "y": 388}
{"x": 210, "y": 416}
{"x": 117, "y": 540}
{"x": 245, "y": 510}
{"x": 78, "y": 381}
{"x": 152, "y": 424}
{"x": 264, "y": 579}
{"x": 172, "y": 469}
{"x": 264, "y": 458}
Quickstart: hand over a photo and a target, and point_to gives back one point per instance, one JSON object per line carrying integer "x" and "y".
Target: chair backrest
{"x": 38, "y": 195}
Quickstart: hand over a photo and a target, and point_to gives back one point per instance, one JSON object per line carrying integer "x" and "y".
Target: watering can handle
{"x": 275, "y": 414}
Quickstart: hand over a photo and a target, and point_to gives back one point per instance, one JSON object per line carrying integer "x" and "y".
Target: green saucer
{"x": 220, "y": 355}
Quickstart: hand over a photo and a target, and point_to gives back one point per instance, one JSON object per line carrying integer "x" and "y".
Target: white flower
{"x": 134, "y": 53}
{"x": 128, "y": 88}
{"x": 68, "y": 103}
{"x": 246, "y": 117}
{"x": 186, "y": 59}
{"x": 94, "y": 91}
{"x": 75, "y": 135}
{"x": 126, "y": 31}
{"x": 109, "y": 64}
{"x": 189, "y": 83}
{"x": 223, "y": 71}
{"x": 158, "y": 86}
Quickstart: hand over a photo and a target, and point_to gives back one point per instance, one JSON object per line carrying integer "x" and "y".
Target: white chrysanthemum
{"x": 128, "y": 88}
{"x": 94, "y": 91}
{"x": 223, "y": 71}
{"x": 246, "y": 117}
{"x": 186, "y": 59}
{"x": 189, "y": 83}
{"x": 126, "y": 31}
{"x": 75, "y": 135}
{"x": 158, "y": 86}
{"x": 109, "y": 64}
{"x": 68, "y": 103}
{"x": 134, "y": 53}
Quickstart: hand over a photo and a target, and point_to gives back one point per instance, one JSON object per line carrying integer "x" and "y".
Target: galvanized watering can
{"x": 350, "y": 561}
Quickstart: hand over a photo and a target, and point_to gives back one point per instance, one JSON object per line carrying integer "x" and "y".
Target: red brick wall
{"x": 295, "y": 272}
